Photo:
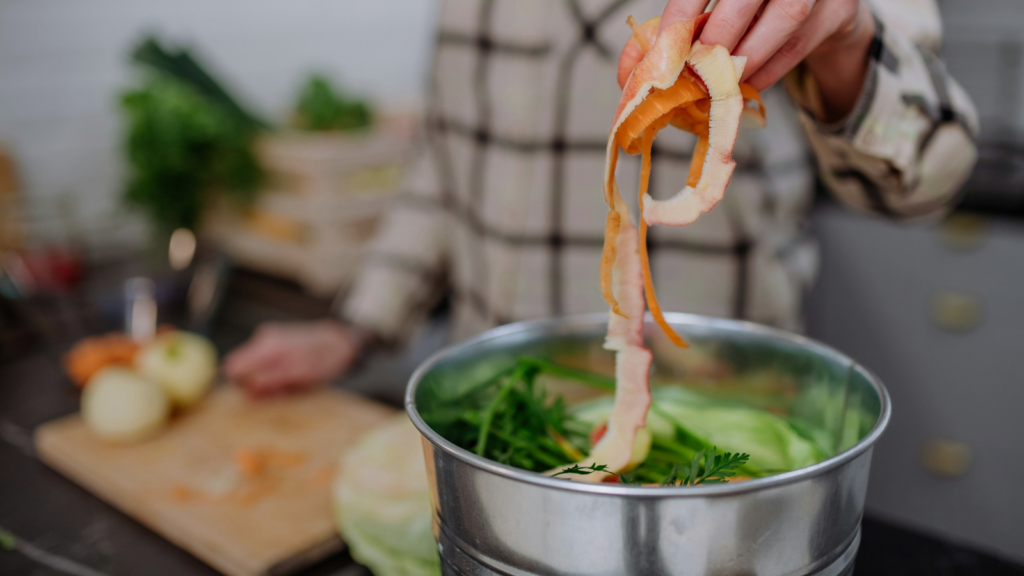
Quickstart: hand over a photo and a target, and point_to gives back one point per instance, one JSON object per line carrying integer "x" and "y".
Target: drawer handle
{"x": 956, "y": 311}
{"x": 963, "y": 232}
{"x": 945, "y": 458}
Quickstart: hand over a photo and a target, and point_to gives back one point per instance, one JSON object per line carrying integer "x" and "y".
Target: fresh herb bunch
{"x": 510, "y": 419}
{"x": 180, "y": 65}
{"x": 186, "y": 139}
{"x": 322, "y": 107}
{"x": 181, "y": 149}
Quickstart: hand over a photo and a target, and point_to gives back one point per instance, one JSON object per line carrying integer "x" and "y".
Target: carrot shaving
{"x": 323, "y": 476}
{"x": 750, "y": 94}
{"x": 656, "y": 107}
{"x": 182, "y": 493}
{"x": 249, "y": 462}
{"x": 640, "y": 39}
{"x": 611, "y": 233}
{"x": 652, "y": 299}
{"x": 697, "y": 162}
{"x": 685, "y": 104}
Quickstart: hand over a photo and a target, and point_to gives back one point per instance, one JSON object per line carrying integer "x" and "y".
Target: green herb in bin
{"x": 511, "y": 416}
{"x": 322, "y": 107}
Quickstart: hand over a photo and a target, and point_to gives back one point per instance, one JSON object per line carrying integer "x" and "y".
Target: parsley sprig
{"x": 715, "y": 469}
{"x": 512, "y": 419}
{"x": 578, "y": 470}
{"x": 711, "y": 469}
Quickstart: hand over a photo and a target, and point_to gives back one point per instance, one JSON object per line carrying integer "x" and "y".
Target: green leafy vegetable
{"x": 588, "y": 378}
{"x": 510, "y": 418}
{"x": 584, "y": 470}
{"x": 322, "y": 107}
{"x": 182, "y": 149}
{"x": 578, "y": 470}
{"x": 714, "y": 470}
{"x": 503, "y": 412}
{"x": 180, "y": 65}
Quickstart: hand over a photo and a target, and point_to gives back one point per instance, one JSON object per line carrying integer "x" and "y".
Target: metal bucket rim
{"x": 520, "y": 475}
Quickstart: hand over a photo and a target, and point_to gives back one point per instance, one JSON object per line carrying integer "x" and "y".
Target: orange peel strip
{"x": 645, "y": 263}
{"x": 750, "y": 97}
{"x": 696, "y": 163}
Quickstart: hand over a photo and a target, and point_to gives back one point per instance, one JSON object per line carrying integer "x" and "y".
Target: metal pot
{"x": 494, "y": 519}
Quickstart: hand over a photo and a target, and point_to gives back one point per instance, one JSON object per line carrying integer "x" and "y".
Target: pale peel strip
{"x": 716, "y": 68}
{"x": 632, "y": 359}
{"x": 662, "y": 65}
{"x": 659, "y": 69}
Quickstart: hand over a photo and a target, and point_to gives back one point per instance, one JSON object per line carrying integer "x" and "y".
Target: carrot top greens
{"x": 512, "y": 417}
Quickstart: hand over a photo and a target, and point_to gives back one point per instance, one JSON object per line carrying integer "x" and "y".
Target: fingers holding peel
{"x": 776, "y": 29}
{"x": 631, "y": 55}
{"x": 822, "y": 23}
{"x": 729, "y": 21}
{"x": 679, "y": 10}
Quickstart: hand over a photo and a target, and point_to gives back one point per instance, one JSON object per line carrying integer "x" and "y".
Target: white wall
{"x": 63, "y": 62}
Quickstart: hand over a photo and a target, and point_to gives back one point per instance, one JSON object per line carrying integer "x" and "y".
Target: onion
{"x": 184, "y": 364}
{"x": 120, "y": 406}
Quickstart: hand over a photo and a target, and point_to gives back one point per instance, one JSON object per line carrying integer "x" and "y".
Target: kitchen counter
{"x": 58, "y": 523}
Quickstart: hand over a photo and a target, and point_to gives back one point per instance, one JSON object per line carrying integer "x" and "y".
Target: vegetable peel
{"x": 695, "y": 87}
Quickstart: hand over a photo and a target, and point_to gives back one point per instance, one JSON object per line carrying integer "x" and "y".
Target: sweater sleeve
{"x": 402, "y": 275}
{"x": 908, "y": 146}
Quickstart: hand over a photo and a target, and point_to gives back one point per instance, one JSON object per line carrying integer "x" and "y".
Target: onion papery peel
{"x": 694, "y": 87}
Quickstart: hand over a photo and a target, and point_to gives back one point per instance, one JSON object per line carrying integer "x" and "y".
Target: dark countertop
{"x": 55, "y": 518}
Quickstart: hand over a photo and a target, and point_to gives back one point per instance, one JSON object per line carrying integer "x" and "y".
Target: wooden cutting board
{"x": 242, "y": 484}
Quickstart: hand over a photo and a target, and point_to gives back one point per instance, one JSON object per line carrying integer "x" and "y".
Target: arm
{"x": 402, "y": 275}
{"x": 907, "y": 146}
{"x": 891, "y": 131}
{"x": 397, "y": 284}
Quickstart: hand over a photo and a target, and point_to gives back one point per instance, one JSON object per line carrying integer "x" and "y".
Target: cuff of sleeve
{"x": 804, "y": 90}
{"x": 378, "y": 330}
{"x": 881, "y": 124}
{"x": 387, "y": 302}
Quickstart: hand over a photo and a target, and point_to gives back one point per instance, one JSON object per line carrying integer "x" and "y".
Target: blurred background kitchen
{"x": 278, "y": 132}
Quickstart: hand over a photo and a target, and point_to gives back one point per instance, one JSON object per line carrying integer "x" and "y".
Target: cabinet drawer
{"x": 944, "y": 329}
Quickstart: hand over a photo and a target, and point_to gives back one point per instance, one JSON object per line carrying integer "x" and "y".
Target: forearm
{"x": 402, "y": 272}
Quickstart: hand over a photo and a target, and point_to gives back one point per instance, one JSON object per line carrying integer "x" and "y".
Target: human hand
{"x": 281, "y": 357}
{"x": 831, "y": 36}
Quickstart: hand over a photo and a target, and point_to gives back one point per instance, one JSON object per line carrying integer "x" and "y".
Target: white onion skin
{"x": 182, "y": 363}
{"x": 119, "y": 406}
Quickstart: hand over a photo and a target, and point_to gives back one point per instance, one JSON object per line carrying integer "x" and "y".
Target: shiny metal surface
{"x": 493, "y": 519}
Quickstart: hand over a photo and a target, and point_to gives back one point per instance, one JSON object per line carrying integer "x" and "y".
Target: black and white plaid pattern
{"x": 504, "y": 208}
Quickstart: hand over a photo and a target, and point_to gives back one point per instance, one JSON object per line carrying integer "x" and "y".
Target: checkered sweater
{"x": 503, "y": 209}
